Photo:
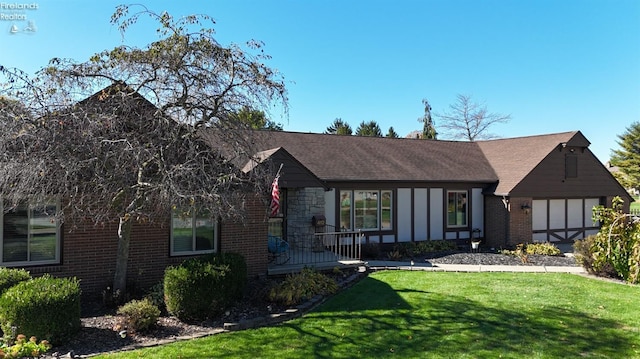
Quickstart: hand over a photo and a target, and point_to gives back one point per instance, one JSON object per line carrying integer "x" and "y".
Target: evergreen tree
{"x": 255, "y": 119}
{"x": 392, "y": 133}
{"x": 339, "y": 127}
{"x": 369, "y": 129}
{"x": 627, "y": 158}
{"x": 428, "y": 129}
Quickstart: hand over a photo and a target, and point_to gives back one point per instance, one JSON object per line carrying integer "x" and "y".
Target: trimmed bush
{"x": 545, "y": 249}
{"x": 412, "y": 249}
{"x": 45, "y": 307}
{"x": 302, "y": 286}
{"x": 11, "y": 276}
{"x": 204, "y": 287}
{"x": 139, "y": 315}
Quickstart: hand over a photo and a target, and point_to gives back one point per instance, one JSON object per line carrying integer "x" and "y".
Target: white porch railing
{"x": 344, "y": 245}
{"x": 322, "y": 249}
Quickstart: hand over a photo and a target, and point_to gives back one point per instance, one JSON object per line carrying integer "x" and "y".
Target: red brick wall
{"x": 249, "y": 238}
{"x": 507, "y": 228}
{"x": 89, "y": 252}
{"x": 496, "y": 217}
{"x": 520, "y": 224}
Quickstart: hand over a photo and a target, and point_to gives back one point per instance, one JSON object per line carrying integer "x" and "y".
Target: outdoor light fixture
{"x": 526, "y": 208}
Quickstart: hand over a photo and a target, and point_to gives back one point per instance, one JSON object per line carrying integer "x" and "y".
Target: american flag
{"x": 275, "y": 197}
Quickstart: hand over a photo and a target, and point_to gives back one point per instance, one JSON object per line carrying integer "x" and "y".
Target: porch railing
{"x": 344, "y": 245}
{"x": 323, "y": 247}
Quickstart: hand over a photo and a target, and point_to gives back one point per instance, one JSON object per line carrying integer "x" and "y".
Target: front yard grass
{"x": 444, "y": 315}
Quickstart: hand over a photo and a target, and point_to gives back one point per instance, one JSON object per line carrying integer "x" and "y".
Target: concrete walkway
{"x": 425, "y": 266}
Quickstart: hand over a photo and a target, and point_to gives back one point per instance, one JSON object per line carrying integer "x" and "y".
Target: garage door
{"x": 556, "y": 220}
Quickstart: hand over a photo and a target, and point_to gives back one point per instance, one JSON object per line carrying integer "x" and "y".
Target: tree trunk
{"x": 124, "y": 238}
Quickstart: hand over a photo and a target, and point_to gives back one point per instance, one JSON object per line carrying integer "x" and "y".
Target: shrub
{"x": 615, "y": 250}
{"x": 204, "y": 287}
{"x": 156, "y": 295}
{"x": 524, "y": 249}
{"x": 546, "y": 249}
{"x": 113, "y": 299}
{"x": 371, "y": 250}
{"x": 519, "y": 252}
{"x": 10, "y": 277}
{"x": 302, "y": 286}
{"x": 395, "y": 255}
{"x": 23, "y": 348}
{"x": 435, "y": 246}
{"x": 139, "y": 315}
{"x": 582, "y": 250}
{"x": 407, "y": 249}
{"x": 45, "y": 307}
{"x": 618, "y": 241}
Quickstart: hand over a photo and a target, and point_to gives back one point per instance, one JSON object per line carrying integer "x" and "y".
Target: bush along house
{"x": 339, "y": 192}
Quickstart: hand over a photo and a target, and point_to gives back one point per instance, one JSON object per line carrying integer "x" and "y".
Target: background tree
{"x": 469, "y": 120}
{"x": 627, "y": 158}
{"x": 369, "y": 129}
{"x": 133, "y": 151}
{"x": 339, "y": 127}
{"x": 428, "y": 128}
{"x": 255, "y": 119}
{"x": 392, "y": 133}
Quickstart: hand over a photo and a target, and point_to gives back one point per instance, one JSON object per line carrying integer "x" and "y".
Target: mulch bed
{"x": 98, "y": 335}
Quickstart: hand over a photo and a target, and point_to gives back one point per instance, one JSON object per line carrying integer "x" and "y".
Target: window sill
{"x": 38, "y": 268}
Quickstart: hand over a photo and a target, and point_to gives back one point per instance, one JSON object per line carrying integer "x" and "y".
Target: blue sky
{"x": 554, "y": 66}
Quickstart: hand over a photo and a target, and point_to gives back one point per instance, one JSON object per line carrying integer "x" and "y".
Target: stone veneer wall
{"x": 302, "y": 204}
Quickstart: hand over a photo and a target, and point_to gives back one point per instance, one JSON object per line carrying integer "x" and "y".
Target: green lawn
{"x": 445, "y": 315}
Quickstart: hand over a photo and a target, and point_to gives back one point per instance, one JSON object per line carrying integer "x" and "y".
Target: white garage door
{"x": 557, "y": 220}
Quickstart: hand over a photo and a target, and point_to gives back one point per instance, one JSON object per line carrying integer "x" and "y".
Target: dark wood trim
{"x": 413, "y": 216}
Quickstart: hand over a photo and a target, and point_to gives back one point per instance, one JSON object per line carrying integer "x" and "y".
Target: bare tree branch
{"x": 117, "y": 137}
{"x": 469, "y": 120}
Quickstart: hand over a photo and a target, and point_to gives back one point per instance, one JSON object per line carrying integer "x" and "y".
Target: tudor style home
{"x": 338, "y": 192}
{"x": 503, "y": 192}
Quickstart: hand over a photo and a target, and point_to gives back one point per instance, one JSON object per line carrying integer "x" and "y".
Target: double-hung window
{"x": 457, "y": 209}
{"x": 366, "y": 210}
{"x": 192, "y": 233}
{"x": 29, "y": 236}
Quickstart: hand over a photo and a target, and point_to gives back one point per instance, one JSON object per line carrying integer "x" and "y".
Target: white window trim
{"x": 29, "y": 263}
{"x": 193, "y": 239}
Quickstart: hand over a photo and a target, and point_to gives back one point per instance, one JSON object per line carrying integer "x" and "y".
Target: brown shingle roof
{"x": 354, "y": 158}
{"x": 514, "y": 158}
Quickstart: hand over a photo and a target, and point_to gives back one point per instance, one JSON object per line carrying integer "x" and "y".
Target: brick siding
{"x": 89, "y": 251}
{"x": 520, "y": 224}
{"x": 496, "y": 217}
